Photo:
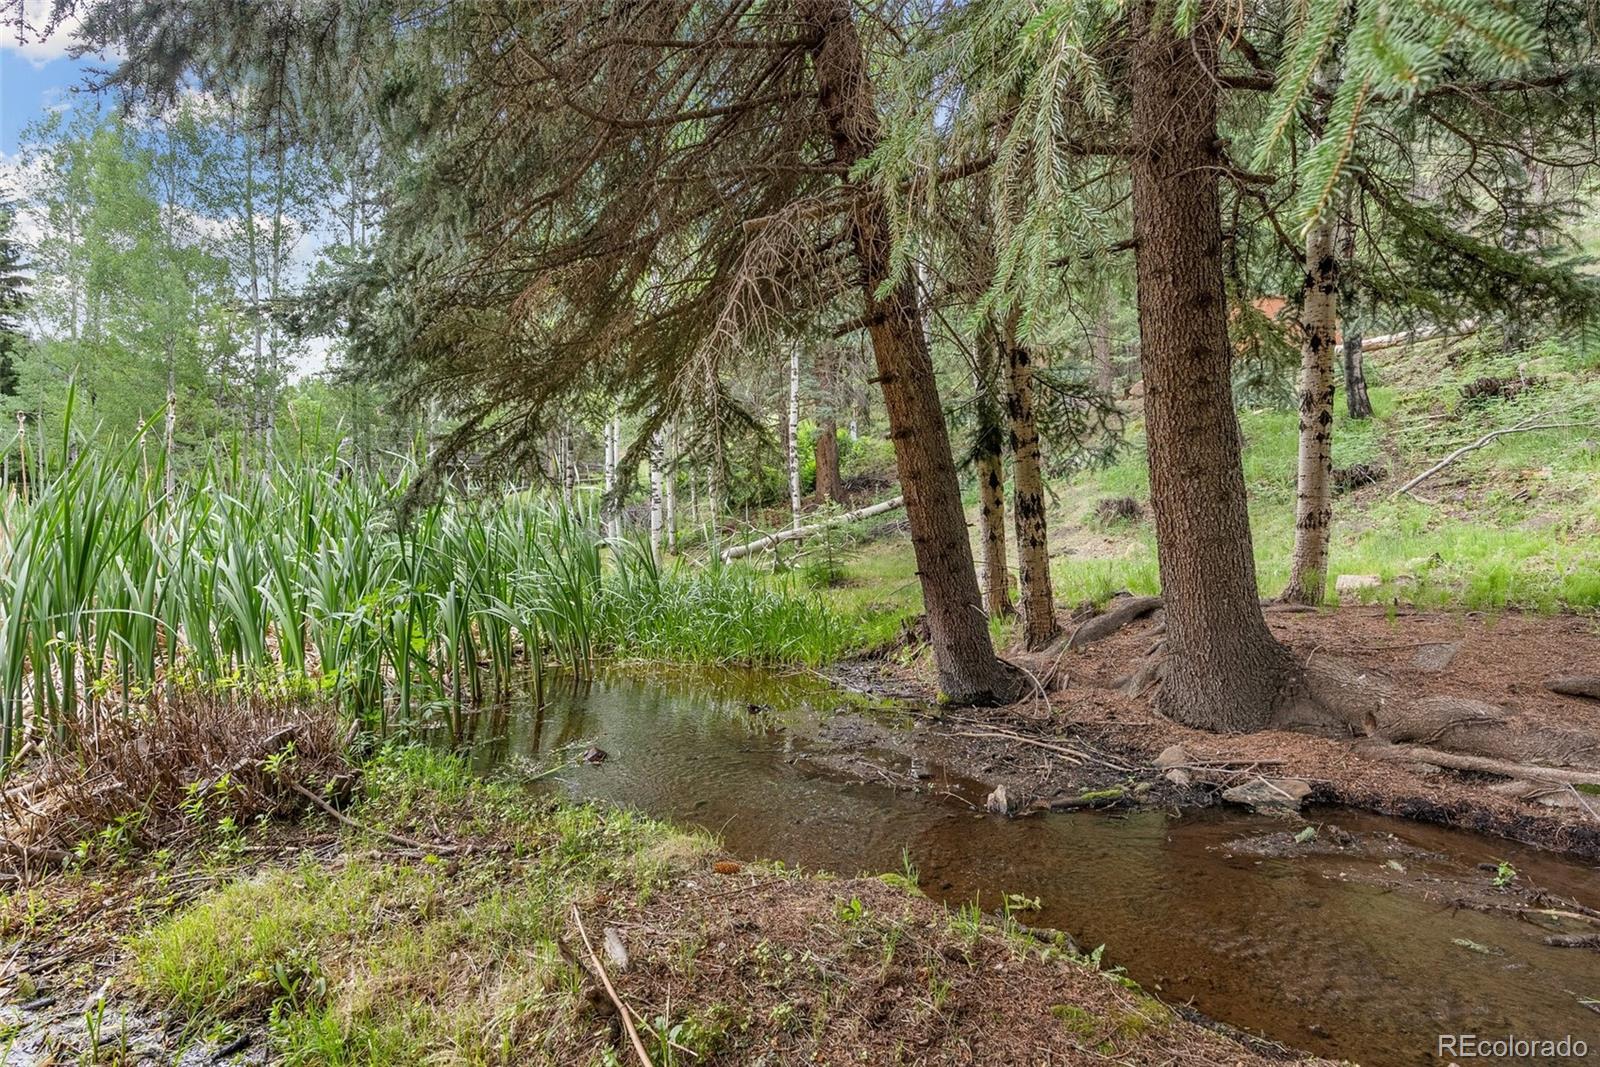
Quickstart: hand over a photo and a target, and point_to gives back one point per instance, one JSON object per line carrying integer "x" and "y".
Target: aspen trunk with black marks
{"x": 669, "y": 487}
{"x": 792, "y": 440}
{"x": 1319, "y": 329}
{"x": 969, "y": 671}
{"x": 988, "y": 450}
{"x": 171, "y": 442}
{"x": 1035, "y": 596}
{"x": 657, "y": 457}
{"x": 1223, "y": 670}
{"x": 609, "y": 473}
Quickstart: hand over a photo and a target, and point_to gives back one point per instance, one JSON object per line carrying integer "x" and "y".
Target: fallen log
{"x": 1455, "y": 761}
{"x": 798, "y": 533}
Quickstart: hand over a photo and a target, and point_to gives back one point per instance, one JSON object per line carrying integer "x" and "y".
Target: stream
{"x": 1306, "y": 950}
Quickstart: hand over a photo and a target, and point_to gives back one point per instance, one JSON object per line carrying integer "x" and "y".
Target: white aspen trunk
{"x": 655, "y": 495}
{"x": 1319, "y": 329}
{"x": 252, "y": 249}
{"x": 1319, "y": 323}
{"x": 794, "y": 436}
{"x": 609, "y": 474}
{"x": 669, "y": 483}
{"x": 1036, "y": 595}
{"x": 172, "y": 425}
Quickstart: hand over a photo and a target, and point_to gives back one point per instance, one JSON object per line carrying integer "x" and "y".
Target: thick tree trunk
{"x": 1036, "y": 596}
{"x": 1319, "y": 327}
{"x": 969, "y": 670}
{"x": 1224, "y": 670}
{"x": 988, "y": 449}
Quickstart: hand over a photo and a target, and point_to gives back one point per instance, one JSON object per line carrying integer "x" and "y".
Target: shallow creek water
{"x": 1302, "y": 950}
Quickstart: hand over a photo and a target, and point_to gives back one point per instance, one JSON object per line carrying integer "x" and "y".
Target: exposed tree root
{"x": 1120, "y": 613}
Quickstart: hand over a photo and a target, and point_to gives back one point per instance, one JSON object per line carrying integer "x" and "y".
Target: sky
{"x": 35, "y": 77}
{"x": 38, "y": 77}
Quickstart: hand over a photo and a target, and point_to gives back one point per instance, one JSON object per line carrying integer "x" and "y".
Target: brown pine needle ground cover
{"x": 329, "y": 944}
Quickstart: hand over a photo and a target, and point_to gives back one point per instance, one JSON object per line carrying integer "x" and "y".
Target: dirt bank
{"x": 1084, "y": 704}
{"x": 522, "y": 931}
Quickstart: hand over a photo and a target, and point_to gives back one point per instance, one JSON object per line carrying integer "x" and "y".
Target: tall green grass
{"x": 302, "y": 576}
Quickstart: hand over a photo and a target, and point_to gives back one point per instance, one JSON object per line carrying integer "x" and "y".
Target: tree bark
{"x": 1105, "y": 378}
{"x": 988, "y": 460}
{"x": 793, "y": 438}
{"x": 1036, "y": 597}
{"x": 969, "y": 671}
{"x": 1319, "y": 327}
{"x": 657, "y": 524}
{"x": 1224, "y": 670}
{"x": 830, "y": 484}
{"x": 1356, "y": 400}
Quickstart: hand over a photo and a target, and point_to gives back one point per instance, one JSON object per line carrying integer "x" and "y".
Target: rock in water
{"x": 1270, "y": 795}
{"x": 1576, "y": 685}
{"x": 594, "y": 754}
{"x": 998, "y": 803}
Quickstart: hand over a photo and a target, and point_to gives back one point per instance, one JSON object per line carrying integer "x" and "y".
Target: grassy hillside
{"x": 1515, "y": 524}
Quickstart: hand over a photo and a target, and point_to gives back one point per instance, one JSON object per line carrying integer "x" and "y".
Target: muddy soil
{"x": 1504, "y": 660}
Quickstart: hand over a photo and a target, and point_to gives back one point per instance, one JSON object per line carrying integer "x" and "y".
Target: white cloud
{"x": 38, "y": 51}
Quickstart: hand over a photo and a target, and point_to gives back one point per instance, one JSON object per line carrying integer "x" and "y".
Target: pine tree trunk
{"x": 1105, "y": 377}
{"x": 830, "y": 485}
{"x": 969, "y": 670}
{"x": 793, "y": 439}
{"x": 1035, "y": 595}
{"x": 1319, "y": 327}
{"x": 988, "y": 449}
{"x": 1356, "y": 399}
{"x": 1224, "y": 670}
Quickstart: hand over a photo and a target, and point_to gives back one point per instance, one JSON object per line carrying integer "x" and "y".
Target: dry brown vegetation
{"x": 153, "y": 774}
